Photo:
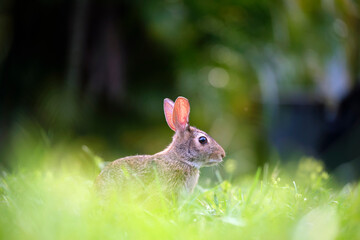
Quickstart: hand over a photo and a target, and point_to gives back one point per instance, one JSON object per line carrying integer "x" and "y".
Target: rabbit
{"x": 177, "y": 167}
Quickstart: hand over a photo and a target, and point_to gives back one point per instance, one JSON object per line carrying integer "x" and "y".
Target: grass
{"x": 58, "y": 203}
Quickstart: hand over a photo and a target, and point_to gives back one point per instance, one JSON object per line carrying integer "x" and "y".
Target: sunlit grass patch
{"x": 60, "y": 204}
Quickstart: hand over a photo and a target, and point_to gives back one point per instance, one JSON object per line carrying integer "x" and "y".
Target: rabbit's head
{"x": 190, "y": 145}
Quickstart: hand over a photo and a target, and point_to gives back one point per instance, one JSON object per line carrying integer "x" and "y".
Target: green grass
{"x": 58, "y": 203}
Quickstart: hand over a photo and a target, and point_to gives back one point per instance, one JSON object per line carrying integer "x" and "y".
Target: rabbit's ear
{"x": 168, "y": 111}
{"x": 181, "y": 113}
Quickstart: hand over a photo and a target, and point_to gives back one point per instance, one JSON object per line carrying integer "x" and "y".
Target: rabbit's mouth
{"x": 212, "y": 162}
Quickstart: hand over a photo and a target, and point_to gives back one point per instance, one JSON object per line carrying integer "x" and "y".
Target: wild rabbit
{"x": 176, "y": 167}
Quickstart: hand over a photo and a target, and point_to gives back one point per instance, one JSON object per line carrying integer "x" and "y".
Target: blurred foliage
{"x": 96, "y": 72}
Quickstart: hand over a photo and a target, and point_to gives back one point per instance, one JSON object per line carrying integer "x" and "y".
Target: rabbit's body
{"x": 176, "y": 168}
{"x": 148, "y": 169}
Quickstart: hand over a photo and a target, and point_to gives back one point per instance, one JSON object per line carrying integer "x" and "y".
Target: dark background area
{"x": 271, "y": 81}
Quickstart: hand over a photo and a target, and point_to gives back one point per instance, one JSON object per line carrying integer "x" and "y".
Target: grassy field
{"x": 275, "y": 203}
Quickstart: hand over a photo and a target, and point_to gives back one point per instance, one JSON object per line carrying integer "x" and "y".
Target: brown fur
{"x": 176, "y": 168}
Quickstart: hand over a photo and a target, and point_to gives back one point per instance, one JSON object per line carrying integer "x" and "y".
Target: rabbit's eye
{"x": 202, "y": 140}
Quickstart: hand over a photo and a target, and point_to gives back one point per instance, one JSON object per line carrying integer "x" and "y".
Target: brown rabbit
{"x": 177, "y": 167}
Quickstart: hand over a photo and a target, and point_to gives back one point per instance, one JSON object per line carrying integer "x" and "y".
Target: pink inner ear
{"x": 168, "y": 111}
{"x": 181, "y": 113}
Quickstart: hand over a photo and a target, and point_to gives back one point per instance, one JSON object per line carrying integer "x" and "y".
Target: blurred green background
{"x": 269, "y": 80}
